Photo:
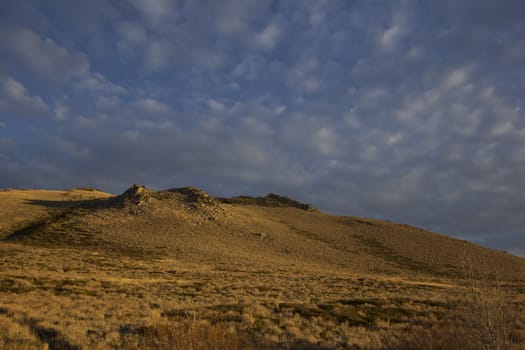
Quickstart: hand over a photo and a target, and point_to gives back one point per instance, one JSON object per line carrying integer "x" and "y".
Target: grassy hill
{"x": 84, "y": 269}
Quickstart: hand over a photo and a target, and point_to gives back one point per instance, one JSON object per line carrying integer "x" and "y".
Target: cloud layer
{"x": 408, "y": 111}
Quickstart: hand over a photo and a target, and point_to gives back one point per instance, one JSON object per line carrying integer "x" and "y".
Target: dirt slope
{"x": 188, "y": 224}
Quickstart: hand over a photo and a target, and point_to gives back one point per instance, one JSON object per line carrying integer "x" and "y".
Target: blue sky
{"x": 408, "y": 111}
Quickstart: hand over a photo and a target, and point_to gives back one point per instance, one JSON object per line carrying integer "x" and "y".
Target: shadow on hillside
{"x": 69, "y": 204}
{"x": 51, "y": 337}
{"x": 182, "y": 334}
{"x": 57, "y": 204}
{"x": 306, "y": 346}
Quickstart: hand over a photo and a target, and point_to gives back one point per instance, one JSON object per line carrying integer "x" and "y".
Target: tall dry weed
{"x": 187, "y": 333}
{"x": 489, "y": 317}
{"x": 483, "y": 317}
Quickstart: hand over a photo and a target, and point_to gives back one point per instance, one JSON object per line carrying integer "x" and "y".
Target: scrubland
{"x": 81, "y": 269}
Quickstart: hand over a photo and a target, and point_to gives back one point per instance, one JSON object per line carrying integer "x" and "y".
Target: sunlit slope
{"x": 19, "y": 208}
{"x": 187, "y": 224}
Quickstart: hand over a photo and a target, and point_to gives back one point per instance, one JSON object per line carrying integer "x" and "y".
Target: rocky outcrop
{"x": 193, "y": 195}
{"x": 270, "y": 200}
{"x": 135, "y": 195}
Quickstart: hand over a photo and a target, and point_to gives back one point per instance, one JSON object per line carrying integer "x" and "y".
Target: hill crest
{"x": 141, "y": 195}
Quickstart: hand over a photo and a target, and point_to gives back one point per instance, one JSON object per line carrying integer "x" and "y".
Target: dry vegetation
{"x": 178, "y": 269}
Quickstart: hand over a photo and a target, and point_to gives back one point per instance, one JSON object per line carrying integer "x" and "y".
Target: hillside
{"x": 191, "y": 225}
{"x": 19, "y": 208}
{"x": 268, "y": 266}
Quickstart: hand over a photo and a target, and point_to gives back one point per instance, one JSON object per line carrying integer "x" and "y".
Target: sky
{"x": 409, "y": 111}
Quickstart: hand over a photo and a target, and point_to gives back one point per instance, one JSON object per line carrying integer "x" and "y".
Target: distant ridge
{"x": 270, "y": 200}
{"x": 139, "y": 194}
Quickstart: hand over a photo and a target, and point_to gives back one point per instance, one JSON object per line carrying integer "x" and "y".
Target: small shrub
{"x": 488, "y": 318}
{"x": 187, "y": 334}
{"x": 419, "y": 338}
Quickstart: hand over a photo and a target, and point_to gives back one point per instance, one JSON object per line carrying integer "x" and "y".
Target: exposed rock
{"x": 270, "y": 200}
{"x": 135, "y": 195}
{"x": 194, "y": 195}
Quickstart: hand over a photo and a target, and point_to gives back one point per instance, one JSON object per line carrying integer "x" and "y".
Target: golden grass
{"x": 106, "y": 300}
{"x": 176, "y": 273}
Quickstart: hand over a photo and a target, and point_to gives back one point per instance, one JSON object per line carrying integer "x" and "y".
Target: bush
{"x": 488, "y": 318}
{"x": 484, "y": 319}
{"x": 186, "y": 334}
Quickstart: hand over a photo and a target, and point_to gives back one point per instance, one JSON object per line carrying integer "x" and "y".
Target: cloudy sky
{"x": 410, "y": 111}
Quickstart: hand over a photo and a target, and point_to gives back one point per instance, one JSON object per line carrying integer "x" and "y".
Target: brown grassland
{"x": 178, "y": 269}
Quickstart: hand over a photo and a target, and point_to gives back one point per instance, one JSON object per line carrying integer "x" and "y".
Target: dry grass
{"x": 179, "y": 270}
{"x": 107, "y": 300}
{"x": 185, "y": 334}
{"x": 13, "y": 335}
{"x": 490, "y": 320}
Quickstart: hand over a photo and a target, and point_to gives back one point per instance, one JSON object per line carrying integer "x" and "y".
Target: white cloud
{"x": 108, "y": 102}
{"x": 394, "y": 138}
{"x": 391, "y": 36}
{"x": 351, "y": 119}
{"x": 152, "y": 106}
{"x": 47, "y": 58}
{"x": 131, "y": 135}
{"x": 159, "y": 55}
{"x": 250, "y": 67}
{"x": 312, "y": 135}
{"x": 234, "y": 17}
{"x": 317, "y": 18}
{"x": 157, "y": 125}
{"x": 42, "y": 55}
{"x": 411, "y": 110}
{"x": 133, "y": 37}
{"x": 326, "y": 141}
{"x": 61, "y": 110}
{"x": 281, "y": 109}
{"x": 91, "y": 122}
{"x": 133, "y": 32}
{"x": 268, "y": 38}
{"x": 501, "y": 128}
{"x": 70, "y": 148}
{"x": 256, "y": 127}
{"x": 98, "y": 83}
{"x": 306, "y": 75}
{"x": 311, "y": 84}
{"x": 455, "y": 78}
{"x": 15, "y": 99}
{"x": 215, "y": 105}
{"x": 156, "y": 11}
{"x": 153, "y": 49}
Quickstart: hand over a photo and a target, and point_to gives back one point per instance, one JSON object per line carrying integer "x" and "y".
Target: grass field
{"x": 178, "y": 269}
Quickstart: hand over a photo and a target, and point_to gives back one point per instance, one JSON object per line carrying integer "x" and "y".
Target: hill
{"x": 251, "y": 261}
{"x": 269, "y": 230}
